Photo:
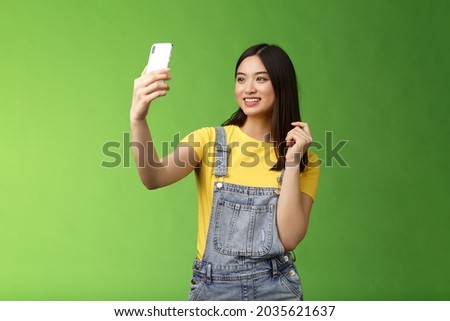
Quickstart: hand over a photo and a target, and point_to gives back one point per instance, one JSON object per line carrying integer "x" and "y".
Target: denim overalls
{"x": 244, "y": 258}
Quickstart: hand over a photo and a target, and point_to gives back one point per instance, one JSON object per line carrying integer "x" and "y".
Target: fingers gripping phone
{"x": 159, "y": 57}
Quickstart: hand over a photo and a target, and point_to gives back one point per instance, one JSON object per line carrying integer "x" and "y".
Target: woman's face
{"x": 253, "y": 88}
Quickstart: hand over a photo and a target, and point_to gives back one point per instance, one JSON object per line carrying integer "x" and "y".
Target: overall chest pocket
{"x": 244, "y": 230}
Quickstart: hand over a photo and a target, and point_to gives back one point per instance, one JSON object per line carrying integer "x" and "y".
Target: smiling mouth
{"x": 252, "y": 100}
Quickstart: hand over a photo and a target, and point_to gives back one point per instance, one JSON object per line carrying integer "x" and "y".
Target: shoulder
{"x": 313, "y": 164}
{"x": 309, "y": 178}
{"x": 208, "y": 134}
{"x": 312, "y": 171}
{"x": 313, "y": 159}
{"x": 201, "y": 135}
{"x": 200, "y": 140}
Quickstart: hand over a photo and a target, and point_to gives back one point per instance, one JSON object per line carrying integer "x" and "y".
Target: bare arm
{"x": 294, "y": 207}
{"x": 153, "y": 171}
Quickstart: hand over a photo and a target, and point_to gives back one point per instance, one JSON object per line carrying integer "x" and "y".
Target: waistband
{"x": 220, "y": 185}
{"x": 248, "y": 270}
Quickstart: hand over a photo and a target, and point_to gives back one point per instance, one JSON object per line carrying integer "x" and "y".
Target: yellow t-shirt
{"x": 249, "y": 163}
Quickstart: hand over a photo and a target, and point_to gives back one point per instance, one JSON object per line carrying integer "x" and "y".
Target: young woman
{"x": 256, "y": 180}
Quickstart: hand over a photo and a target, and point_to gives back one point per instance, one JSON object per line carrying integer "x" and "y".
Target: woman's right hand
{"x": 147, "y": 88}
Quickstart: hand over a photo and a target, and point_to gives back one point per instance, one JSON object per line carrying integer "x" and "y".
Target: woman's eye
{"x": 240, "y": 79}
{"x": 260, "y": 78}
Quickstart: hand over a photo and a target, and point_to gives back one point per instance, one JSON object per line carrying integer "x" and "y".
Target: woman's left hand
{"x": 298, "y": 140}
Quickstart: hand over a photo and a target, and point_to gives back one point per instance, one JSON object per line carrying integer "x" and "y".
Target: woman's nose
{"x": 250, "y": 88}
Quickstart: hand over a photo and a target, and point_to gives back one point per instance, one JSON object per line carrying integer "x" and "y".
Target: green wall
{"x": 374, "y": 73}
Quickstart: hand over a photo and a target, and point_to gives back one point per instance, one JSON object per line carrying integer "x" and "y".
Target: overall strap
{"x": 220, "y": 164}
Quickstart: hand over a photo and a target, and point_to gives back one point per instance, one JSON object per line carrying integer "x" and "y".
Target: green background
{"x": 375, "y": 73}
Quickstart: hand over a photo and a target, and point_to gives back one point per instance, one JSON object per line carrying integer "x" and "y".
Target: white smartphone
{"x": 159, "y": 57}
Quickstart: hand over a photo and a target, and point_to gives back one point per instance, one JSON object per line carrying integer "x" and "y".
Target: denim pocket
{"x": 196, "y": 287}
{"x": 291, "y": 281}
{"x": 243, "y": 230}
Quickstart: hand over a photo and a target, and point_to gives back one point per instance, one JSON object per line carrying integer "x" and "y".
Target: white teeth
{"x": 253, "y": 100}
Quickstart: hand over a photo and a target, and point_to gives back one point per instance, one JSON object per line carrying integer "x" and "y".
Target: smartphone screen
{"x": 159, "y": 57}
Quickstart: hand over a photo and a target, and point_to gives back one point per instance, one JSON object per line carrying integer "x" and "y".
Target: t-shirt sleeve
{"x": 309, "y": 178}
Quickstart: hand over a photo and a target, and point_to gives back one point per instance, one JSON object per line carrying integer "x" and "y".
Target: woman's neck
{"x": 257, "y": 128}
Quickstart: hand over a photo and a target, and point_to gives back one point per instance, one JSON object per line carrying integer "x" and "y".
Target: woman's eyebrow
{"x": 256, "y": 73}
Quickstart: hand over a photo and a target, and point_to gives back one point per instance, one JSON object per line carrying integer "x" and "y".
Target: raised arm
{"x": 153, "y": 171}
{"x": 294, "y": 207}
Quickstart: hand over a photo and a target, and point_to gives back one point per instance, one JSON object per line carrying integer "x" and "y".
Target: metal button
{"x": 285, "y": 258}
{"x": 219, "y": 185}
{"x": 291, "y": 272}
